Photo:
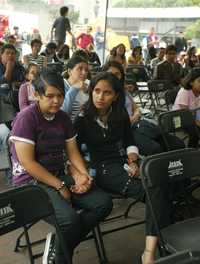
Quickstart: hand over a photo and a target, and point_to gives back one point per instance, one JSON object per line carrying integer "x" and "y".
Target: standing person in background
{"x": 18, "y": 39}
{"x": 152, "y": 39}
{"x": 99, "y": 42}
{"x": 152, "y": 44}
{"x": 84, "y": 39}
{"x": 181, "y": 43}
{"x": 61, "y": 25}
{"x": 134, "y": 41}
{"x": 36, "y": 34}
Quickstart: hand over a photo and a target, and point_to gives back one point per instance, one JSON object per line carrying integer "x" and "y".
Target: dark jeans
{"x": 113, "y": 178}
{"x": 193, "y": 136}
{"x": 75, "y": 225}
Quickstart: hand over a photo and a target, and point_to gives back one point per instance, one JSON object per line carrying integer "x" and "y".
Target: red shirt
{"x": 83, "y": 40}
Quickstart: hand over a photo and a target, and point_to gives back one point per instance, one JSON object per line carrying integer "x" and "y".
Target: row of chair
{"x": 157, "y": 171}
{"x": 168, "y": 122}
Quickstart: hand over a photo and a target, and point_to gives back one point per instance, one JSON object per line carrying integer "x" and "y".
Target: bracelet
{"x": 63, "y": 184}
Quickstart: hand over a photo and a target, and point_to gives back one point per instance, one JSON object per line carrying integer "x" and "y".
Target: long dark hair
{"x": 116, "y": 115}
{"x": 114, "y": 51}
{"x": 117, "y": 65}
{"x": 190, "y": 77}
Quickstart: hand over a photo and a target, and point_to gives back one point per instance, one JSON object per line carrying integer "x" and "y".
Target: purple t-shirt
{"x": 48, "y": 138}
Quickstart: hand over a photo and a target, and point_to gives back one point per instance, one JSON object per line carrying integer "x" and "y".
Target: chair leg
{"x": 129, "y": 208}
{"x": 29, "y": 245}
{"x": 100, "y": 245}
{"x": 18, "y": 241}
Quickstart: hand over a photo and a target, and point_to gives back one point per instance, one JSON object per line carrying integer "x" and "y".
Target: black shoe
{"x": 49, "y": 250}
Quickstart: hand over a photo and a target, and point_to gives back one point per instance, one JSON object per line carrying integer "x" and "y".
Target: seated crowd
{"x": 58, "y": 113}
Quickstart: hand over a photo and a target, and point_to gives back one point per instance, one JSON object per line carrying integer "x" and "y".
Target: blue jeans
{"x": 75, "y": 225}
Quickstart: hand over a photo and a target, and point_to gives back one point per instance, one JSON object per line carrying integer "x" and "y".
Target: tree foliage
{"x": 193, "y": 31}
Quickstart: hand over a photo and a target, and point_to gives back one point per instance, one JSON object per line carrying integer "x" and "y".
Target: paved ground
{"x": 122, "y": 247}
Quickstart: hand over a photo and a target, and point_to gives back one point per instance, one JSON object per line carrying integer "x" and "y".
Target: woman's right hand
{"x": 79, "y": 84}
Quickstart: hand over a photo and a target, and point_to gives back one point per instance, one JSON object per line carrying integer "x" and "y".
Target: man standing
{"x": 61, "y": 25}
{"x": 99, "y": 43}
{"x": 181, "y": 43}
{"x": 84, "y": 39}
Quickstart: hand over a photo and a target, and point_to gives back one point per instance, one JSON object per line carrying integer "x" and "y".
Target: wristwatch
{"x": 63, "y": 184}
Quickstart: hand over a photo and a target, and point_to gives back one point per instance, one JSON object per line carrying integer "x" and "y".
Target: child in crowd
{"x": 104, "y": 126}
{"x": 75, "y": 86}
{"x": 40, "y": 135}
{"x": 26, "y": 91}
{"x": 188, "y": 97}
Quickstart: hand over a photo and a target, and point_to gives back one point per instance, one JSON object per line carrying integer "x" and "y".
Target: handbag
{"x": 147, "y": 128}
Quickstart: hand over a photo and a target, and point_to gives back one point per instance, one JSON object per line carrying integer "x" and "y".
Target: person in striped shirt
{"x": 34, "y": 56}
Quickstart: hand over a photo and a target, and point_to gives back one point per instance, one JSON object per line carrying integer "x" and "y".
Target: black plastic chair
{"x": 157, "y": 90}
{"x": 170, "y": 97}
{"x": 139, "y": 73}
{"x": 175, "y": 122}
{"x": 179, "y": 122}
{"x": 17, "y": 210}
{"x": 55, "y": 66}
{"x": 158, "y": 172}
{"x": 183, "y": 257}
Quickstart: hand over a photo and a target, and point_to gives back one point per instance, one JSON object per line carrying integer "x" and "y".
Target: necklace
{"x": 49, "y": 118}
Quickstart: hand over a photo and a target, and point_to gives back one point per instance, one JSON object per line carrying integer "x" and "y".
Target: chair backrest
{"x": 183, "y": 257}
{"x": 22, "y": 206}
{"x": 175, "y": 121}
{"x": 159, "y": 171}
{"x": 25, "y": 205}
{"x": 55, "y": 66}
{"x": 139, "y": 73}
{"x": 172, "y": 121}
{"x": 156, "y": 86}
{"x": 170, "y": 97}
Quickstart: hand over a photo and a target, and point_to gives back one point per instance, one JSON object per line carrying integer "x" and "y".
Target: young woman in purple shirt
{"x": 40, "y": 135}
